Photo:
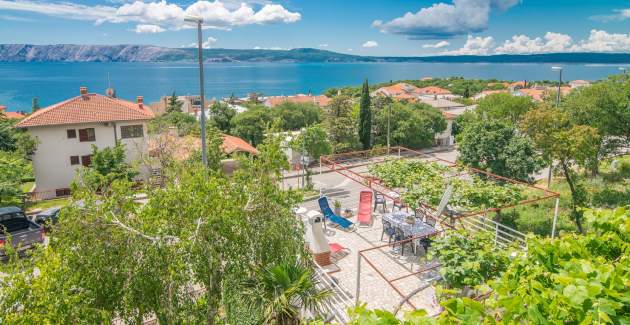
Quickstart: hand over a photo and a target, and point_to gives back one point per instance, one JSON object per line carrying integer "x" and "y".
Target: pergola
{"x": 354, "y": 166}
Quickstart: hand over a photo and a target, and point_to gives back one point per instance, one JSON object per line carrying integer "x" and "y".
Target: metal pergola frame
{"x": 344, "y": 162}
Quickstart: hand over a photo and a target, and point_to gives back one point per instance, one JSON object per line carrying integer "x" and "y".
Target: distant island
{"x": 149, "y": 53}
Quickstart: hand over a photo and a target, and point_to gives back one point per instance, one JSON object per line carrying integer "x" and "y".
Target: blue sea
{"x": 52, "y": 82}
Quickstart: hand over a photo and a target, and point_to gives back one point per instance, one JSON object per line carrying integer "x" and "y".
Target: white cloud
{"x": 551, "y": 42}
{"x": 602, "y": 41}
{"x": 209, "y": 42}
{"x": 474, "y": 46}
{"x": 597, "y": 41}
{"x": 148, "y": 29}
{"x": 443, "y": 20}
{"x": 216, "y": 14}
{"x": 437, "y": 45}
{"x": 370, "y": 44}
{"x": 323, "y": 45}
{"x": 620, "y": 14}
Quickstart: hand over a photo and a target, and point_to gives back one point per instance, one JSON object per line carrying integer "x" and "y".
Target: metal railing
{"x": 335, "y": 308}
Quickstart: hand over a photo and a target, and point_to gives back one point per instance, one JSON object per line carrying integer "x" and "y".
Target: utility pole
{"x": 389, "y": 112}
{"x": 557, "y": 105}
{"x": 199, "y": 22}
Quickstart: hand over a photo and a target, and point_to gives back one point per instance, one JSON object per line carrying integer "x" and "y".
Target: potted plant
{"x": 337, "y": 205}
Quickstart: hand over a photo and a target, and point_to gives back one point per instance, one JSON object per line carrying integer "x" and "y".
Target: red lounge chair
{"x": 337, "y": 251}
{"x": 364, "y": 216}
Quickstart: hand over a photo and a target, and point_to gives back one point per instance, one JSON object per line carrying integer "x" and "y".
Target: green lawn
{"x": 48, "y": 204}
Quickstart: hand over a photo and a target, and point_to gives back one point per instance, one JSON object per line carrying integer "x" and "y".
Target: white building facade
{"x": 67, "y": 131}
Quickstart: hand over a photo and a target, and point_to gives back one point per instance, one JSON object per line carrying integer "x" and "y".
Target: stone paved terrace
{"x": 375, "y": 291}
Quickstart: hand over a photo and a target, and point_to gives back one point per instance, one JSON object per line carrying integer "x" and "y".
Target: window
{"x": 72, "y": 133}
{"x": 131, "y": 131}
{"x": 62, "y": 192}
{"x": 87, "y": 135}
{"x": 86, "y": 161}
{"x": 74, "y": 160}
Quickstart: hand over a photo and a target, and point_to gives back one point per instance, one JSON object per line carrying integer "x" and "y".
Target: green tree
{"x": 221, "y": 116}
{"x": 173, "y": 104}
{"x": 13, "y": 169}
{"x": 283, "y": 291}
{"x": 185, "y": 124}
{"x": 504, "y": 107}
{"x": 35, "y": 105}
{"x": 251, "y": 124}
{"x": 108, "y": 164}
{"x": 559, "y": 139}
{"x": 180, "y": 257}
{"x": 365, "y": 118}
{"x": 340, "y": 124}
{"x": 604, "y": 106}
{"x": 412, "y": 125}
{"x": 468, "y": 261}
{"x": 498, "y": 148}
{"x": 294, "y": 116}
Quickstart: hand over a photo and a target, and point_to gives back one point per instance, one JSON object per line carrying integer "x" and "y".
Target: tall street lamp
{"x": 199, "y": 22}
{"x": 559, "y": 69}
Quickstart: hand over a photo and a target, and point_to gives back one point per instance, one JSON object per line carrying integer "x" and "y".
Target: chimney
{"x": 83, "y": 91}
{"x": 140, "y": 101}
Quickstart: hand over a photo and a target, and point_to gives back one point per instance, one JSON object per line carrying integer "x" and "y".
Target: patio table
{"x": 398, "y": 219}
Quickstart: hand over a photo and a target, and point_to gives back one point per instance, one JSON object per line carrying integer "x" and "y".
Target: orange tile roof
{"x": 432, "y": 90}
{"x": 491, "y": 92}
{"x": 88, "y": 108}
{"x": 535, "y": 94}
{"x": 235, "y": 144}
{"x": 182, "y": 147}
{"x": 10, "y": 115}
{"x": 319, "y": 100}
{"x": 520, "y": 84}
{"x": 400, "y": 91}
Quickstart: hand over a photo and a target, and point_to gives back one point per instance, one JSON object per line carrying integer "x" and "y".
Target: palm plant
{"x": 283, "y": 291}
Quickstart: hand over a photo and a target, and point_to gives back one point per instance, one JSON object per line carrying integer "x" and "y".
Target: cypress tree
{"x": 365, "y": 118}
{"x": 35, "y": 104}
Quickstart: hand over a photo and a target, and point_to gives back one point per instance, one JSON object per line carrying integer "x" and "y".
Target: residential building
{"x": 486, "y": 93}
{"x": 446, "y": 137}
{"x": 399, "y": 91}
{"x": 439, "y": 103}
{"x": 434, "y": 91}
{"x": 319, "y": 100}
{"x": 579, "y": 83}
{"x": 66, "y": 132}
{"x": 10, "y": 115}
{"x": 190, "y": 104}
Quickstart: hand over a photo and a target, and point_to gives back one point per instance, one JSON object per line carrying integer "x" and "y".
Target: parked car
{"x": 47, "y": 217}
{"x": 23, "y": 232}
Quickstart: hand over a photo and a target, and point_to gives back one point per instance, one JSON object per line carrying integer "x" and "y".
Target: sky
{"x": 361, "y": 27}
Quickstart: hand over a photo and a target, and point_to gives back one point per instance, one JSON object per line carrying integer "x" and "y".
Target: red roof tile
{"x": 235, "y": 144}
{"x": 88, "y": 108}
{"x": 319, "y": 100}
{"x": 10, "y": 115}
{"x": 432, "y": 90}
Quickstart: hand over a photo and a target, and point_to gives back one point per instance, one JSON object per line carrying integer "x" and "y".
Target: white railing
{"x": 504, "y": 236}
{"x": 334, "y": 308}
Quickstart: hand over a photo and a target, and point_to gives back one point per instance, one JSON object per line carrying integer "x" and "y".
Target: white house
{"x": 67, "y": 130}
{"x": 446, "y": 137}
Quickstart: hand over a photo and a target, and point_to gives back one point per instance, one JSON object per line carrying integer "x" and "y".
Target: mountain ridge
{"x": 152, "y": 53}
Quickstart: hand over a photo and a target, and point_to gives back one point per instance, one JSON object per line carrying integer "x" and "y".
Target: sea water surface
{"x": 52, "y": 82}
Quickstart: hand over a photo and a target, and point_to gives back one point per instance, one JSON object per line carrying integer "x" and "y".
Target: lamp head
{"x": 193, "y": 19}
{"x": 556, "y": 68}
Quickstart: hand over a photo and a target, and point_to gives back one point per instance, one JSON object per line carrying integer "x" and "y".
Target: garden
{"x": 422, "y": 183}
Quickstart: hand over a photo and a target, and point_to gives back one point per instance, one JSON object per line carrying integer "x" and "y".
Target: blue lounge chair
{"x": 328, "y": 213}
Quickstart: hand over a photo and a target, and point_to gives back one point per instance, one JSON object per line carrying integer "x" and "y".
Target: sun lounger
{"x": 328, "y": 213}
{"x": 364, "y": 217}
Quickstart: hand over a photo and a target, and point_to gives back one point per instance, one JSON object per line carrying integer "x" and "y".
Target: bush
{"x": 608, "y": 198}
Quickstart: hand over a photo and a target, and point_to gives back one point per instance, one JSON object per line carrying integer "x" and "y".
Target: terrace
{"x": 374, "y": 271}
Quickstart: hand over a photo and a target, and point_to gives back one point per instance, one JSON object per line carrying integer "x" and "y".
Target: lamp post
{"x": 199, "y": 22}
{"x": 559, "y": 69}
